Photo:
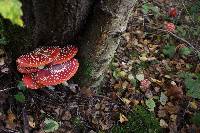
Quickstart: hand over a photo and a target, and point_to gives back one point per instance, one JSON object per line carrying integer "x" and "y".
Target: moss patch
{"x": 139, "y": 121}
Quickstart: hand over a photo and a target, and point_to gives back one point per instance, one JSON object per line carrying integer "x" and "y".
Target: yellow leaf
{"x": 193, "y": 105}
{"x": 145, "y": 42}
{"x": 143, "y": 57}
{"x": 122, "y": 118}
{"x": 126, "y": 101}
{"x": 159, "y": 82}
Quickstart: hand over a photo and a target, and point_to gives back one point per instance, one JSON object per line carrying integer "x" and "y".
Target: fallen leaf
{"x": 161, "y": 112}
{"x": 10, "y": 120}
{"x": 140, "y": 76}
{"x": 126, "y": 101}
{"x": 170, "y": 108}
{"x": 175, "y": 91}
{"x": 163, "y": 98}
{"x": 122, "y": 118}
{"x": 193, "y": 104}
{"x": 150, "y": 104}
{"x": 173, "y": 117}
{"x": 50, "y": 125}
{"x": 31, "y": 122}
{"x": 163, "y": 123}
{"x": 66, "y": 115}
{"x": 159, "y": 82}
{"x": 145, "y": 84}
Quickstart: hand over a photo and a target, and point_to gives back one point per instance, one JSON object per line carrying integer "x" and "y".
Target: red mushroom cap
{"x": 169, "y": 27}
{"x": 56, "y": 74}
{"x": 27, "y": 69}
{"x": 66, "y": 54}
{"x": 29, "y": 82}
{"x": 173, "y": 12}
{"x": 39, "y": 57}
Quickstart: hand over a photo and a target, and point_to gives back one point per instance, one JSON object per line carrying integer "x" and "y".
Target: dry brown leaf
{"x": 122, "y": 118}
{"x": 10, "y": 120}
{"x": 175, "y": 91}
{"x": 197, "y": 69}
{"x": 126, "y": 101}
{"x": 86, "y": 91}
{"x": 170, "y": 108}
{"x": 162, "y": 112}
{"x": 66, "y": 115}
{"x": 163, "y": 123}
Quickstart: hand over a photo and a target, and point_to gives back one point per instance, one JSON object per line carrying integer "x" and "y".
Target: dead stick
{"x": 25, "y": 120}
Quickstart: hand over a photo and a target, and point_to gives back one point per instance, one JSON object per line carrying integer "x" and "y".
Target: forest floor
{"x": 153, "y": 82}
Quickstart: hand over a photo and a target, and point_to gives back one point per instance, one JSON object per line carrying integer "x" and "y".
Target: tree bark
{"x": 102, "y": 38}
{"x": 55, "y": 20}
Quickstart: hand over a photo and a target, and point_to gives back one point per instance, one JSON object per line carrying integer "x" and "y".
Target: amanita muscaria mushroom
{"x": 66, "y": 54}
{"x": 29, "y": 82}
{"x": 39, "y": 57}
{"x": 56, "y": 74}
{"x": 58, "y": 65}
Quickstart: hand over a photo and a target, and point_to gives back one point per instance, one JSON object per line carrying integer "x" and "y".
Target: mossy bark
{"x": 102, "y": 37}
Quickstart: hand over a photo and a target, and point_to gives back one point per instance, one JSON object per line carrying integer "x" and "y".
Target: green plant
{"x": 3, "y": 39}
{"x": 78, "y": 124}
{"x": 20, "y": 97}
{"x": 50, "y": 125}
{"x": 147, "y": 7}
{"x": 185, "y": 51}
{"x": 11, "y": 9}
{"x": 194, "y": 10}
{"x": 139, "y": 121}
{"x": 196, "y": 119}
{"x": 192, "y": 83}
{"x": 169, "y": 50}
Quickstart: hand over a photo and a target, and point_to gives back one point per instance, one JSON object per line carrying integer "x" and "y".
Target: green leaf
{"x": 119, "y": 74}
{"x": 20, "y": 97}
{"x": 149, "y": 7}
{"x": 185, "y": 51}
{"x": 145, "y": 8}
{"x": 20, "y": 86}
{"x": 192, "y": 83}
{"x": 150, "y": 104}
{"x": 11, "y": 9}
{"x": 181, "y": 31}
{"x": 196, "y": 119}
{"x": 169, "y": 50}
{"x": 50, "y": 125}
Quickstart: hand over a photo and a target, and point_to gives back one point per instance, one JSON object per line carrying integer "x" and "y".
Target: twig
{"x": 176, "y": 36}
{"x": 7, "y": 130}
{"x": 25, "y": 120}
{"x": 187, "y": 12}
{"x": 7, "y": 89}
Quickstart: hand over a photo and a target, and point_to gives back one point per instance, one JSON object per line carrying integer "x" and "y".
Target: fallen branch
{"x": 176, "y": 36}
{"x": 7, "y": 89}
{"x": 25, "y": 120}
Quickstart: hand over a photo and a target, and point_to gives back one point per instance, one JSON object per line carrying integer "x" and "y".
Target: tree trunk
{"x": 99, "y": 23}
{"x": 101, "y": 39}
{"x": 55, "y": 20}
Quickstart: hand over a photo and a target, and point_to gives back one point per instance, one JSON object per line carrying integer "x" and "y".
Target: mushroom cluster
{"x": 47, "y": 66}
